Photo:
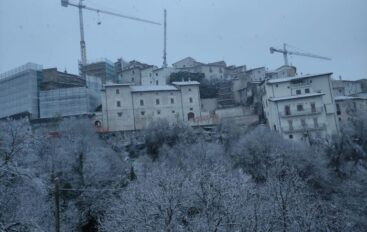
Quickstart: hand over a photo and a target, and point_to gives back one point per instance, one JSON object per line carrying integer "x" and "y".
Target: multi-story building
{"x": 215, "y": 70}
{"x": 347, "y": 107}
{"x": 132, "y": 73}
{"x": 120, "y": 65}
{"x": 156, "y": 76}
{"x": 71, "y": 101}
{"x": 129, "y": 107}
{"x": 19, "y": 89}
{"x": 102, "y": 68}
{"x": 53, "y": 79}
{"x": 346, "y": 87}
{"x": 301, "y": 107}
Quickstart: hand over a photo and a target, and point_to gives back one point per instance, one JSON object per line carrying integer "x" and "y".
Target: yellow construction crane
{"x": 286, "y": 52}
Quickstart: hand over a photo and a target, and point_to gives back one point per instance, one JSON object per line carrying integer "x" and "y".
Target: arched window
{"x": 190, "y": 116}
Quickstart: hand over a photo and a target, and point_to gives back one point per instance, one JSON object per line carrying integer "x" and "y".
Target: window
{"x": 287, "y": 110}
{"x": 156, "y": 82}
{"x": 299, "y": 107}
{"x": 173, "y": 112}
{"x": 275, "y": 127}
{"x": 158, "y": 112}
{"x": 191, "y": 108}
{"x": 133, "y": 72}
{"x": 117, "y": 91}
{"x": 210, "y": 69}
{"x": 172, "y": 101}
{"x": 141, "y": 102}
{"x": 276, "y": 85}
{"x": 119, "y": 114}
{"x": 290, "y": 124}
{"x": 189, "y": 90}
{"x": 338, "y": 112}
{"x": 142, "y": 113}
{"x": 298, "y": 91}
{"x": 190, "y": 99}
{"x": 156, "y": 74}
{"x": 303, "y": 123}
{"x": 307, "y": 90}
{"x": 315, "y": 123}
{"x": 132, "y": 79}
{"x": 118, "y": 104}
{"x": 291, "y": 136}
{"x": 313, "y": 107}
{"x": 157, "y": 101}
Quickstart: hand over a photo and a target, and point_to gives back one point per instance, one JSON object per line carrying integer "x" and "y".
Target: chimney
{"x": 340, "y": 78}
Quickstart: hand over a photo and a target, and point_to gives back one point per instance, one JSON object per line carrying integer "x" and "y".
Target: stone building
{"x": 347, "y": 107}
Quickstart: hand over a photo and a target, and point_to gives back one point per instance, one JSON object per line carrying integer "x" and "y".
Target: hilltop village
{"x": 129, "y": 96}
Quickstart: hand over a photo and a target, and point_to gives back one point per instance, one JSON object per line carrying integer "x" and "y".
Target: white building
{"x": 128, "y": 107}
{"x": 156, "y": 76}
{"x": 301, "y": 107}
{"x": 19, "y": 91}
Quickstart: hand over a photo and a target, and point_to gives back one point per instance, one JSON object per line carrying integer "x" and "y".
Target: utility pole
{"x": 165, "y": 40}
{"x": 57, "y": 204}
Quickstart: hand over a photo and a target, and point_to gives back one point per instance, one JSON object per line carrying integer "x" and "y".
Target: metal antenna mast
{"x": 66, "y": 3}
{"x": 286, "y": 52}
{"x": 165, "y": 40}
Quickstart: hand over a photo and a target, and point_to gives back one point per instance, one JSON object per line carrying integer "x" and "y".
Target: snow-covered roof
{"x": 186, "y": 83}
{"x": 149, "y": 88}
{"x": 344, "y": 98}
{"x": 286, "y": 79}
{"x": 295, "y": 97}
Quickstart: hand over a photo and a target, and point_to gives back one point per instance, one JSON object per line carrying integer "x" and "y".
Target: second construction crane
{"x": 286, "y": 52}
{"x": 81, "y": 6}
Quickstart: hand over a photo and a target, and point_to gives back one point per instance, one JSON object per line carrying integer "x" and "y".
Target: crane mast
{"x": 80, "y": 6}
{"x": 286, "y": 52}
{"x": 165, "y": 40}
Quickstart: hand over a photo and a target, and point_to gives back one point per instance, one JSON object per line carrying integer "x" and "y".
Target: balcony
{"x": 304, "y": 129}
{"x": 305, "y": 111}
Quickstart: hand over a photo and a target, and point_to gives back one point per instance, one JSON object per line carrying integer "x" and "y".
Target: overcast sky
{"x": 236, "y": 31}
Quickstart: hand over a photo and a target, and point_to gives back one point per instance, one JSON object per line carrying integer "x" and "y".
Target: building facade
{"x": 347, "y": 107}
{"x": 128, "y": 107}
{"x": 212, "y": 71}
{"x": 102, "y": 68}
{"x": 156, "y": 76}
{"x": 346, "y": 88}
{"x": 61, "y": 102}
{"x": 301, "y": 107}
{"x": 19, "y": 90}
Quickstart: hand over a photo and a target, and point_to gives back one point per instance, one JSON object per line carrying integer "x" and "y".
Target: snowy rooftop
{"x": 148, "y": 88}
{"x": 186, "y": 83}
{"x": 343, "y": 98}
{"x": 286, "y": 79}
{"x": 295, "y": 97}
